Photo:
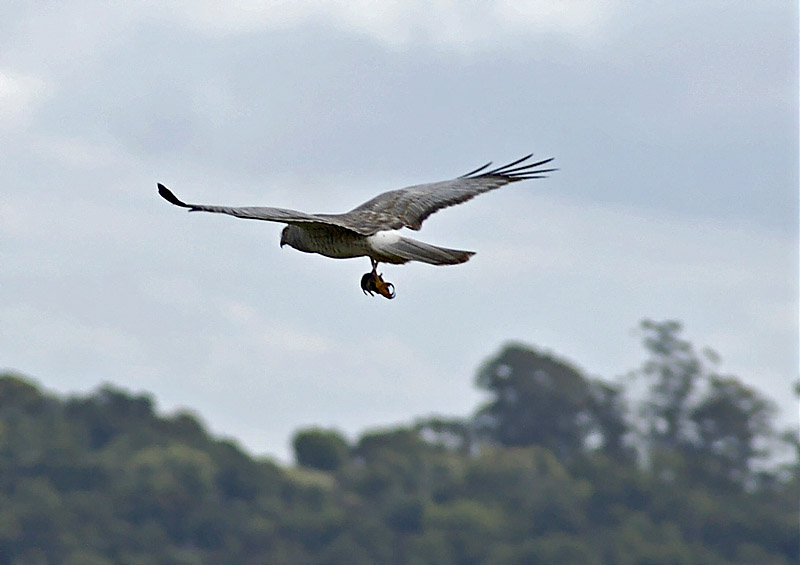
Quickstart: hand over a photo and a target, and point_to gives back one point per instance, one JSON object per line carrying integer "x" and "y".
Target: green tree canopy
{"x": 544, "y": 473}
{"x": 325, "y": 450}
{"x": 538, "y": 399}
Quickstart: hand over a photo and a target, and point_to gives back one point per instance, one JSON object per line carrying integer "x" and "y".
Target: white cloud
{"x": 79, "y": 153}
{"x": 19, "y": 95}
{"x": 460, "y": 25}
{"x": 273, "y": 337}
{"x": 733, "y": 285}
{"x": 64, "y": 339}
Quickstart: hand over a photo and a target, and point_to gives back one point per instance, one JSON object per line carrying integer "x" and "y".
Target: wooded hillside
{"x": 556, "y": 467}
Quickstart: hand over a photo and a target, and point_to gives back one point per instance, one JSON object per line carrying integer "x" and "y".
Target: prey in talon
{"x": 373, "y": 282}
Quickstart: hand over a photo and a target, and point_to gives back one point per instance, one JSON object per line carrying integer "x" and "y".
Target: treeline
{"x": 556, "y": 467}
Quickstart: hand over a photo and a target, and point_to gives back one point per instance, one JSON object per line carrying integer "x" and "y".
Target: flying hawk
{"x": 371, "y": 229}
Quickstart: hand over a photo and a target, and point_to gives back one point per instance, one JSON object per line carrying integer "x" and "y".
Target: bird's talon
{"x": 386, "y": 289}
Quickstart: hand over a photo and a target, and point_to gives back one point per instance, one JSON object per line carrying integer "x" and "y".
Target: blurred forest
{"x": 555, "y": 467}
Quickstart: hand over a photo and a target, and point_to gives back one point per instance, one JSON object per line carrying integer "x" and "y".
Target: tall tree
{"x": 538, "y": 399}
{"x": 732, "y": 419}
{"x": 711, "y": 426}
{"x": 673, "y": 372}
{"x": 610, "y": 427}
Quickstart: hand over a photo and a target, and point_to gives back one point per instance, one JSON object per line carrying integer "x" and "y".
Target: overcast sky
{"x": 674, "y": 125}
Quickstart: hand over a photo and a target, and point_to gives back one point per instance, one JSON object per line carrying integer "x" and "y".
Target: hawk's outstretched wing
{"x": 409, "y": 207}
{"x": 268, "y": 214}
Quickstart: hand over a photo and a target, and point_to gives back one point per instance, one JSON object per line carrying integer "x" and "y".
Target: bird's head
{"x": 285, "y": 236}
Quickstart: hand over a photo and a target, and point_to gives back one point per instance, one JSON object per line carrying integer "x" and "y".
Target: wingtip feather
{"x": 167, "y": 195}
{"x": 514, "y": 171}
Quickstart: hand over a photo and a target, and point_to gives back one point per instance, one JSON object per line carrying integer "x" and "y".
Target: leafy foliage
{"x": 554, "y": 468}
{"x": 320, "y": 449}
{"x": 716, "y": 426}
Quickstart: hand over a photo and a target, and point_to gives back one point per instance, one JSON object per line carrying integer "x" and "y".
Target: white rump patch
{"x": 384, "y": 239}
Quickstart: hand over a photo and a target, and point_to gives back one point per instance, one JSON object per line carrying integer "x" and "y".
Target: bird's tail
{"x": 404, "y": 249}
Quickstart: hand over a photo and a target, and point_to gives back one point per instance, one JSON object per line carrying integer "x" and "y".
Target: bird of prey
{"x": 372, "y": 229}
